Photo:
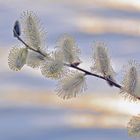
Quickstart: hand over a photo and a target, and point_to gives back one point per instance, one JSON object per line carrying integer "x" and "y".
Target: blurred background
{"x": 29, "y": 106}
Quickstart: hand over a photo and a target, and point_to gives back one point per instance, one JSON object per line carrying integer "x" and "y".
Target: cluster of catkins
{"x": 57, "y": 64}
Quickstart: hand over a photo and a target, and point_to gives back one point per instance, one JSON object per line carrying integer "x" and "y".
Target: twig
{"x": 21, "y": 40}
{"x": 95, "y": 75}
{"x": 69, "y": 65}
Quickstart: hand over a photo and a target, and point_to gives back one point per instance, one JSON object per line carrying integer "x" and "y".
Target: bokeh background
{"x": 29, "y": 107}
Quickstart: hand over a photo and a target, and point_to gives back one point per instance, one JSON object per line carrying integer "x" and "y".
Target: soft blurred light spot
{"x": 101, "y": 25}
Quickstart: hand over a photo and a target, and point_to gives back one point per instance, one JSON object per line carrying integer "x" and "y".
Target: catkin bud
{"x": 34, "y": 59}
{"x": 101, "y": 61}
{"x": 54, "y": 68}
{"x": 17, "y": 58}
{"x": 131, "y": 81}
{"x": 133, "y": 126}
{"x": 33, "y": 32}
{"x": 68, "y": 46}
{"x": 71, "y": 85}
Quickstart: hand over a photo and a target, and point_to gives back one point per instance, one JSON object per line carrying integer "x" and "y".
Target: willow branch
{"x": 95, "y": 75}
{"x": 70, "y": 65}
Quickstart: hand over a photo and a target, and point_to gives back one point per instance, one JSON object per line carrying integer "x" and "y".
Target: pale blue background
{"x": 32, "y": 122}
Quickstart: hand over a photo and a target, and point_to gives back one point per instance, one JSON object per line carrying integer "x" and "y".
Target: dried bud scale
{"x": 16, "y": 29}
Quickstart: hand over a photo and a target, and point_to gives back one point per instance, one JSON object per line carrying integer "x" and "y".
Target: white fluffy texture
{"x": 33, "y": 32}
{"x": 68, "y": 46}
{"x": 131, "y": 81}
{"x": 54, "y": 68}
{"x": 134, "y": 126}
{"x": 101, "y": 60}
{"x": 34, "y": 59}
{"x": 17, "y": 58}
{"x": 71, "y": 85}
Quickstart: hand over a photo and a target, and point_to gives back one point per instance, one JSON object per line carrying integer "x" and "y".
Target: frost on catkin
{"x": 71, "y": 85}
{"x": 134, "y": 126}
{"x": 68, "y": 46}
{"x": 131, "y": 81}
{"x": 33, "y": 32}
{"x": 17, "y": 58}
{"x": 54, "y": 68}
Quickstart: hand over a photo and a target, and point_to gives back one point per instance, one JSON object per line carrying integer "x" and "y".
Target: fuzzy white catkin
{"x": 34, "y": 59}
{"x": 131, "y": 81}
{"x": 101, "y": 60}
{"x": 17, "y": 58}
{"x": 68, "y": 46}
{"x": 54, "y": 68}
{"x": 33, "y": 32}
{"x": 133, "y": 126}
{"x": 71, "y": 85}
